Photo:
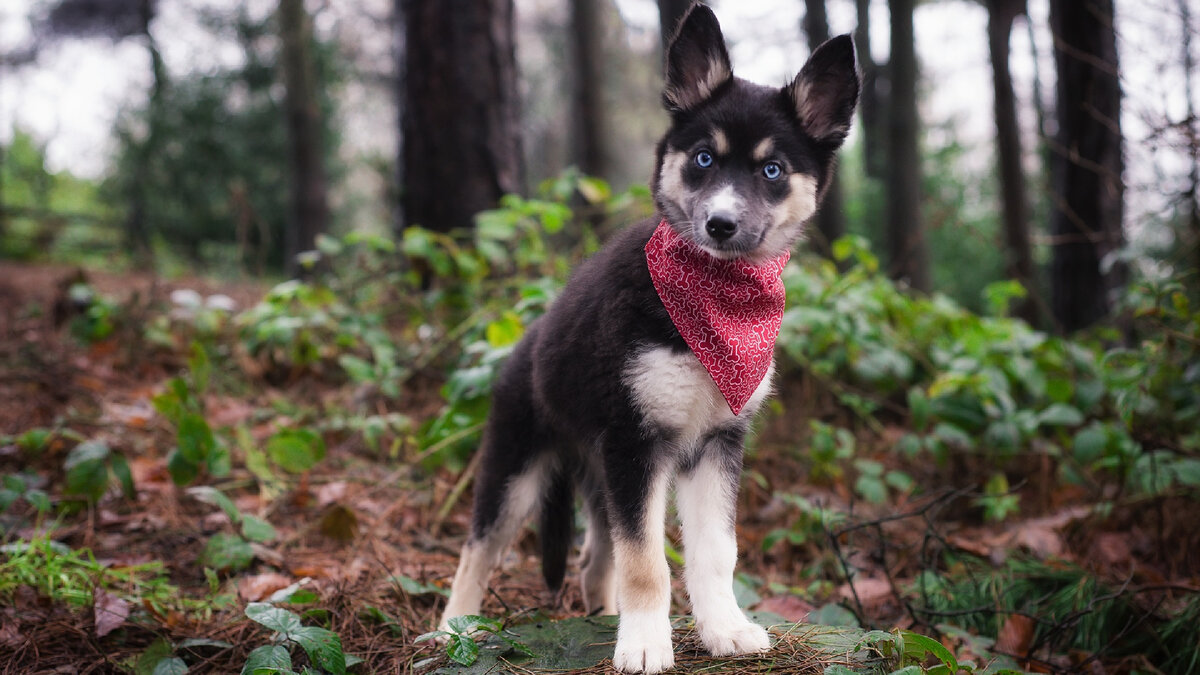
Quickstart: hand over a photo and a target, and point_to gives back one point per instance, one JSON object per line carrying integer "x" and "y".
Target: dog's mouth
{"x": 744, "y": 245}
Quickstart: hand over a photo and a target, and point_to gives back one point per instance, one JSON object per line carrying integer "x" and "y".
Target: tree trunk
{"x": 1191, "y": 238}
{"x": 669, "y": 14}
{"x": 874, "y": 99}
{"x": 400, "y": 60}
{"x": 137, "y": 225}
{"x": 309, "y": 206}
{"x": 461, "y": 129}
{"x": 831, "y": 220}
{"x": 908, "y": 254}
{"x": 1088, "y": 188}
{"x": 1018, "y": 257}
{"x": 587, "y": 32}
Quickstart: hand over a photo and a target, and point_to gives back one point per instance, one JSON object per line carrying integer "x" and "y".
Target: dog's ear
{"x": 826, "y": 90}
{"x": 697, "y": 61}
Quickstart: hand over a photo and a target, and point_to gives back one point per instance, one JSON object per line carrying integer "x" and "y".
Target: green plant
{"x": 91, "y": 467}
{"x": 323, "y": 646}
{"x": 182, "y": 404}
{"x": 62, "y": 574}
{"x": 99, "y": 316}
{"x": 809, "y": 525}
{"x": 231, "y": 551}
{"x": 14, "y": 486}
{"x": 461, "y": 647}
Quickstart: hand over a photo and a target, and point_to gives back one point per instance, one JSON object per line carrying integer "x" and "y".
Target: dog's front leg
{"x": 637, "y": 507}
{"x": 706, "y": 494}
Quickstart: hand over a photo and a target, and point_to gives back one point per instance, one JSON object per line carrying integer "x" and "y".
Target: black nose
{"x": 720, "y": 228}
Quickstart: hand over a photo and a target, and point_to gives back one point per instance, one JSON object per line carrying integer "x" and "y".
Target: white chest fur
{"x": 674, "y": 390}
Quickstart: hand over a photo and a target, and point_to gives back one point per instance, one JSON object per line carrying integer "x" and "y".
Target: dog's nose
{"x": 720, "y": 228}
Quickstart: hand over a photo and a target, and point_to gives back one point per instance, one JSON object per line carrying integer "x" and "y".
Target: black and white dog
{"x": 648, "y": 369}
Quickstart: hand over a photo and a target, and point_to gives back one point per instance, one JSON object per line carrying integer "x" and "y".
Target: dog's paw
{"x": 739, "y": 636}
{"x": 643, "y": 645}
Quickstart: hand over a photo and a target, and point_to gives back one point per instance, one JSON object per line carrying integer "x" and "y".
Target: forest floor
{"x": 375, "y": 535}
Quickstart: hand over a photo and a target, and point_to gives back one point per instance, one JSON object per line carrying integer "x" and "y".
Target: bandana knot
{"x": 727, "y": 311}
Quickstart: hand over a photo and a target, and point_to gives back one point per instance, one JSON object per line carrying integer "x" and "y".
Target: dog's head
{"x": 743, "y": 166}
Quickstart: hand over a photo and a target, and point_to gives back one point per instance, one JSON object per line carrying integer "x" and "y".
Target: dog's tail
{"x": 556, "y": 527}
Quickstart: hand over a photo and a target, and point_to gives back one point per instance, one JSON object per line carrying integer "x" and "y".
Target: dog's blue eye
{"x": 704, "y": 159}
{"x": 772, "y": 170}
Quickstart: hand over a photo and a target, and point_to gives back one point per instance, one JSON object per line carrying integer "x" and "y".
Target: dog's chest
{"x": 673, "y": 390}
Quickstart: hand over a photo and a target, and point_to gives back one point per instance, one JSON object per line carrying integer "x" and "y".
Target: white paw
{"x": 643, "y": 644}
{"x": 734, "y": 637}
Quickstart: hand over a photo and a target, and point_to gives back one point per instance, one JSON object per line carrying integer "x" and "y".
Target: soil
{"x": 364, "y": 518}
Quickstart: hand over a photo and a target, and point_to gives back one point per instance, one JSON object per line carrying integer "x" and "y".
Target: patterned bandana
{"x": 728, "y": 311}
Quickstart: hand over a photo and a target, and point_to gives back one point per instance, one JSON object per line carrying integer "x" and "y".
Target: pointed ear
{"x": 697, "y": 61}
{"x": 826, "y": 90}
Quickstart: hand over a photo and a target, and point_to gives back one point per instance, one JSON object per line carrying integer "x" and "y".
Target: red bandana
{"x": 728, "y": 311}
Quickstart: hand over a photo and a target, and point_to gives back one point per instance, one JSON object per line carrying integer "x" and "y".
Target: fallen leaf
{"x": 870, "y": 590}
{"x": 259, "y": 586}
{"x": 790, "y": 607}
{"x": 331, "y": 492}
{"x": 1112, "y": 549}
{"x": 339, "y": 524}
{"x": 110, "y": 612}
{"x": 10, "y": 637}
{"x": 1015, "y": 636}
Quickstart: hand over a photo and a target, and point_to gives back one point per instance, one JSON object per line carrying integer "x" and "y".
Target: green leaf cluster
{"x": 322, "y": 646}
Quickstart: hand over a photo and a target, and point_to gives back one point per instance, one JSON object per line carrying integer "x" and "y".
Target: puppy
{"x": 649, "y": 367}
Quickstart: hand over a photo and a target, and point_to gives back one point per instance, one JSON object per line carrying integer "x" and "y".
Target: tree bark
{"x": 873, "y": 99}
{"x": 1192, "y": 237}
{"x": 908, "y": 253}
{"x": 831, "y": 219}
{"x": 309, "y": 203}
{"x": 137, "y": 225}
{"x": 1087, "y": 165}
{"x": 587, "y": 31}
{"x": 1014, "y": 204}
{"x": 462, "y": 148}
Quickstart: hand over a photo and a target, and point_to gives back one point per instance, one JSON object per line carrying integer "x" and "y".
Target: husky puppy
{"x": 613, "y": 392}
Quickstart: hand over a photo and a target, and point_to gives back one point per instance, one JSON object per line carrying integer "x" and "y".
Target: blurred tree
{"x": 1014, "y": 202}
{"x": 873, "y": 101}
{"x": 1191, "y": 237}
{"x": 1085, "y": 223}
{"x": 461, "y": 127}
{"x": 218, "y": 186}
{"x": 908, "y": 251}
{"x": 309, "y": 212}
{"x": 120, "y": 19}
{"x": 831, "y": 218}
{"x": 587, "y": 52}
{"x": 669, "y": 14}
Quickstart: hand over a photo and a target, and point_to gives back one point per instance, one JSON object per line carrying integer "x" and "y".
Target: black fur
{"x": 565, "y": 412}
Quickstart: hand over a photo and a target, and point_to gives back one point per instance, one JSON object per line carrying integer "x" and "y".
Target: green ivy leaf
{"x": 267, "y": 659}
{"x": 296, "y": 450}
{"x": 227, "y": 552}
{"x": 195, "y": 437}
{"x": 120, "y": 469}
{"x": 87, "y": 470}
{"x": 462, "y": 650}
{"x": 170, "y": 666}
{"x": 1089, "y": 444}
{"x": 183, "y": 470}
{"x": 211, "y": 495}
{"x": 1061, "y": 415}
{"x": 324, "y": 648}
{"x": 916, "y": 646}
{"x": 257, "y": 529}
{"x": 358, "y": 369}
{"x": 275, "y": 618}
